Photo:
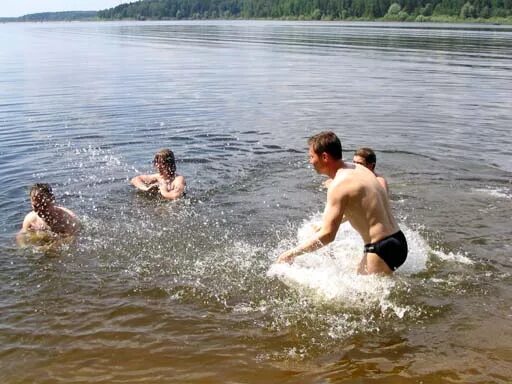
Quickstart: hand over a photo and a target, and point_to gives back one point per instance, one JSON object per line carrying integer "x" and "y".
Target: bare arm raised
{"x": 145, "y": 182}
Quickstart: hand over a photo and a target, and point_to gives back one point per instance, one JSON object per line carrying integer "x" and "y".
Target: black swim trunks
{"x": 392, "y": 249}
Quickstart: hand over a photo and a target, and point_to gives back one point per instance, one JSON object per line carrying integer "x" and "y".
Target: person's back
{"x": 367, "y": 208}
{"x": 46, "y": 216}
{"x": 63, "y": 222}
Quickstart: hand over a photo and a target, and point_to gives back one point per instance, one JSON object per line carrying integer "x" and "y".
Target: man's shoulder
{"x": 32, "y": 216}
{"x": 68, "y": 212}
{"x": 344, "y": 176}
{"x": 31, "y": 219}
{"x": 351, "y": 181}
{"x": 71, "y": 221}
{"x": 341, "y": 185}
{"x": 380, "y": 177}
{"x": 179, "y": 179}
{"x": 383, "y": 182}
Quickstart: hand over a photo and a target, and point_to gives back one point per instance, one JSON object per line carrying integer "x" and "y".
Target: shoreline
{"x": 423, "y": 20}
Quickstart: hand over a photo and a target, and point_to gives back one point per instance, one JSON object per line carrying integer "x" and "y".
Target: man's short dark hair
{"x": 42, "y": 191}
{"x": 367, "y": 154}
{"x": 327, "y": 142}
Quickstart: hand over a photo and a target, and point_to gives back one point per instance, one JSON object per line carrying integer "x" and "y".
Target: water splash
{"x": 453, "y": 257}
{"x": 497, "y": 192}
{"x": 331, "y": 273}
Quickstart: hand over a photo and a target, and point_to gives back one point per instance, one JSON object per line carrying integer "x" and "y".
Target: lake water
{"x": 187, "y": 292}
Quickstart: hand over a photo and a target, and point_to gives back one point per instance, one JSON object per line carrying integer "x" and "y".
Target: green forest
{"x": 402, "y": 10}
{"x": 54, "y": 16}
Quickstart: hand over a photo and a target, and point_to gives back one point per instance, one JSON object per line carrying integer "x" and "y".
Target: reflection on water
{"x": 190, "y": 286}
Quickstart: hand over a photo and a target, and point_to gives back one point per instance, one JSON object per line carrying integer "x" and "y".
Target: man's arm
{"x": 143, "y": 182}
{"x": 27, "y": 222}
{"x": 384, "y": 183}
{"x": 333, "y": 216}
{"x": 73, "y": 222}
{"x": 178, "y": 189}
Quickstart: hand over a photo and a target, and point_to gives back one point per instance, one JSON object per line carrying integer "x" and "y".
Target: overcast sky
{"x": 15, "y": 8}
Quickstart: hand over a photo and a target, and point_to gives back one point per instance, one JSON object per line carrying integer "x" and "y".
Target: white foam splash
{"x": 418, "y": 252}
{"x": 456, "y": 257}
{"x": 331, "y": 272}
{"x": 498, "y": 192}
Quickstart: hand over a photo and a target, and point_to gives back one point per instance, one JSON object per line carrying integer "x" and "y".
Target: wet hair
{"x": 42, "y": 191}
{"x": 367, "y": 154}
{"x": 327, "y": 142}
{"x": 41, "y": 195}
{"x": 165, "y": 157}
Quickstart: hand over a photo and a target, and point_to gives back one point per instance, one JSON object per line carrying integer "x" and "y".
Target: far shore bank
{"x": 429, "y": 19}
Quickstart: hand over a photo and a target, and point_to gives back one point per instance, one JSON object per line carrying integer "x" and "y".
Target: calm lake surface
{"x": 187, "y": 292}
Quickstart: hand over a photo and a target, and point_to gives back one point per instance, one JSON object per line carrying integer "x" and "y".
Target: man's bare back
{"x": 367, "y": 206}
{"x": 63, "y": 222}
{"x": 47, "y": 224}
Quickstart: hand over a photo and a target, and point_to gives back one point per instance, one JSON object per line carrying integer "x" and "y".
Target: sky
{"x": 15, "y": 8}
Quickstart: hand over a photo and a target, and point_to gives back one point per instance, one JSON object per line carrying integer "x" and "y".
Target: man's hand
{"x": 286, "y": 257}
{"x": 152, "y": 187}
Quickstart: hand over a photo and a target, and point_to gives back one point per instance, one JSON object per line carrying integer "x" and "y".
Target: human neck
{"x": 333, "y": 168}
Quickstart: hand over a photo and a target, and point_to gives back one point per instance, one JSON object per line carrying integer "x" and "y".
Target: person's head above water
{"x": 46, "y": 215}
{"x": 165, "y": 163}
{"x": 41, "y": 197}
{"x": 365, "y": 157}
{"x": 326, "y": 142}
{"x": 167, "y": 182}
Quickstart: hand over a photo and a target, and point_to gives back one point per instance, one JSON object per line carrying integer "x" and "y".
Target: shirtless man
{"x": 355, "y": 193}
{"x": 170, "y": 185}
{"x": 367, "y": 158}
{"x": 47, "y": 217}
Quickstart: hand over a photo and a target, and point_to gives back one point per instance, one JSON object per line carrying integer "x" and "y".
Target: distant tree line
{"x": 420, "y": 10}
{"x": 54, "y": 16}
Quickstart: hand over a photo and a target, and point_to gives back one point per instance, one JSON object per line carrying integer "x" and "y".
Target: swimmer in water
{"x": 354, "y": 195}
{"x": 167, "y": 182}
{"x": 47, "y": 220}
{"x": 366, "y": 157}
